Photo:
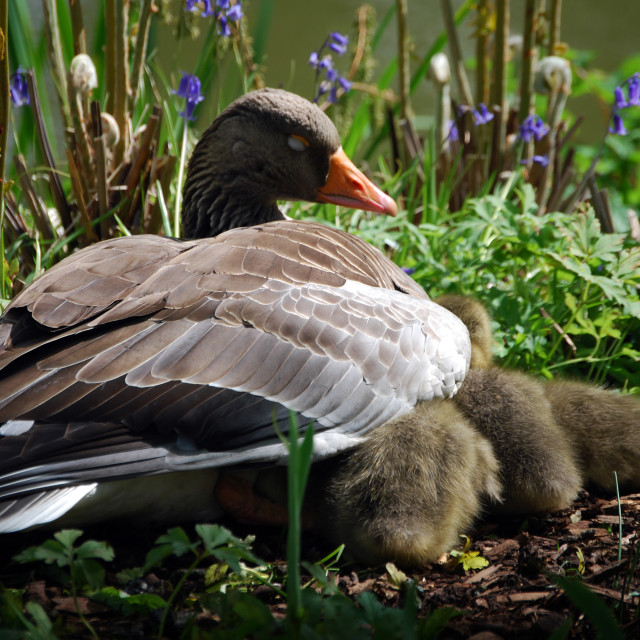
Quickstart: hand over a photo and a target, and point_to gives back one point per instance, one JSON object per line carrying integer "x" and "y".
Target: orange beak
{"x": 347, "y": 186}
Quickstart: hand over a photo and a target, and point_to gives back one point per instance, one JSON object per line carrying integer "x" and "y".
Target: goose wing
{"x": 195, "y": 349}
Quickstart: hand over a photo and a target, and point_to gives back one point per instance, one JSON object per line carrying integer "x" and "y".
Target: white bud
{"x": 110, "y": 130}
{"x": 553, "y": 74}
{"x": 439, "y": 70}
{"x": 83, "y": 74}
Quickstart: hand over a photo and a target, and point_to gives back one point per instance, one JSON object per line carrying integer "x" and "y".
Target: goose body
{"x": 144, "y": 356}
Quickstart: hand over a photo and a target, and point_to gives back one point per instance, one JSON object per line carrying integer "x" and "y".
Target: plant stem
{"x": 554, "y": 27}
{"x": 176, "y": 591}
{"x": 482, "y": 40}
{"x": 498, "y": 96}
{"x": 294, "y": 604}
{"x": 58, "y": 70}
{"x": 76, "y": 604}
{"x": 456, "y": 53}
{"x": 121, "y": 79}
{"x": 110, "y": 50}
{"x": 403, "y": 59}
{"x": 4, "y": 126}
{"x": 140, "y": 52}
{"x": 77, "y": 26}
{"x": 529, "y": 54}
{"x": 183, "y": 161}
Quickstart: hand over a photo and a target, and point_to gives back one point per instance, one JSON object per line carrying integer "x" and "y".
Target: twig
{"x": 599, "y": 202}
{"x": 560, "y": 330}
{"x": 145, "y": 149}
{"x": 362, "y": 39}
{"x": 634, "y": 225}
{"x": 40, "y": 218}
{"x": 76, "y": 183}
{"x": 100, "y": 151}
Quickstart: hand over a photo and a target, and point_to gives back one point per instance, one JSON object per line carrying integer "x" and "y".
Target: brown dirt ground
{"x": 513, "y": 597}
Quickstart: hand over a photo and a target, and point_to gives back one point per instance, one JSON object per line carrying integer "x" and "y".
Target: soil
{"x": 513, "y": 597}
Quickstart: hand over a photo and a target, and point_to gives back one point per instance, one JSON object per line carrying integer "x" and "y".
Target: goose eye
{"x": 297, "y": 143}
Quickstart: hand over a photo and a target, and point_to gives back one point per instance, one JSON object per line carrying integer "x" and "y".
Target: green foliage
{"x": 592, "y": 606}
{"x": 82, "y": 562}
{"x": 467, "y": 558}
{"x": 128, "y": 605}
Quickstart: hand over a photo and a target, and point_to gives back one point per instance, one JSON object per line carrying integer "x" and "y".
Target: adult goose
{"x": 134, "y": 369}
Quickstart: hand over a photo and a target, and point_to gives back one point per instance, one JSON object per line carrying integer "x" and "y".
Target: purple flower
{"x": 533, "y": 127}
{"x": 409, "y": 270}
{"x": 344, "y": 83}
{"x": 620, "y": 100}
{"x": 618, "y": 126}
{"x": 332, "y": 80}
{"x": 339, "y": 38}
{"x": 338, "y": 48}
{"x": 634, "y": 91}
{"x": 189, "y": 89}
{"x": 541, "y": 160}
{"x": 223, "y": 11}
{"x": 453, "y": 131}
{"x": 225, "y": 32}
{"x": 235, "y": 13}
{"x": 482, "y": 115}
{"x": 339, "y": 44}
{"x": 18, "y": 89}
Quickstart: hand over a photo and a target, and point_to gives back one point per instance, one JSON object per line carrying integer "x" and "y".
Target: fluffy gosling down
{"x": 506, "y": 442}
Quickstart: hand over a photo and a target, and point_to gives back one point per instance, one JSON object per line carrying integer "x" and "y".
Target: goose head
{"x": 270, "y": 145}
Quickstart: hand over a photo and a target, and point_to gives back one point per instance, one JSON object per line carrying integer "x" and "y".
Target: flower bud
{"x": 83, "y": 74}
{"x": 553, "y": 73}
{"x": 439, "y": 69}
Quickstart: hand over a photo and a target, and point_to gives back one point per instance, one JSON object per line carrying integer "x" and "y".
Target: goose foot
{"x": 238, "y": 498}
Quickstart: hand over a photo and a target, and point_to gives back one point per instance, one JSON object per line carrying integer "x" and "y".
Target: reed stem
{"x": 554, "y": 27}
{"x": 499, "y": 88}
{"x": 140, "y": 52}
{"x": 58, "y": 69}
{"x": 456, "y": 53}
{"x": 403, "y": 59}
{"x": 77, "y": 26}
{"x": 529, "y": 55}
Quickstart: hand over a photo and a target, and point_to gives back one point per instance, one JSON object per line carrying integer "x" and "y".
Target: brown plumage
{"x": 149, "y": 355}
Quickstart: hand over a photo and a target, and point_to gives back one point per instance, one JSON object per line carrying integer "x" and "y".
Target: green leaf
{"x": 178, "y": 541}
{"x": 95, "y": 549}
{"x": 592, "y": 607}
{"x": 67, "y": 537}
{"x": 129, "y": 605}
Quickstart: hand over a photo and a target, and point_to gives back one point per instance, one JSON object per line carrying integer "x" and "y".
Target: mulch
{"x": 513, "y": 597}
